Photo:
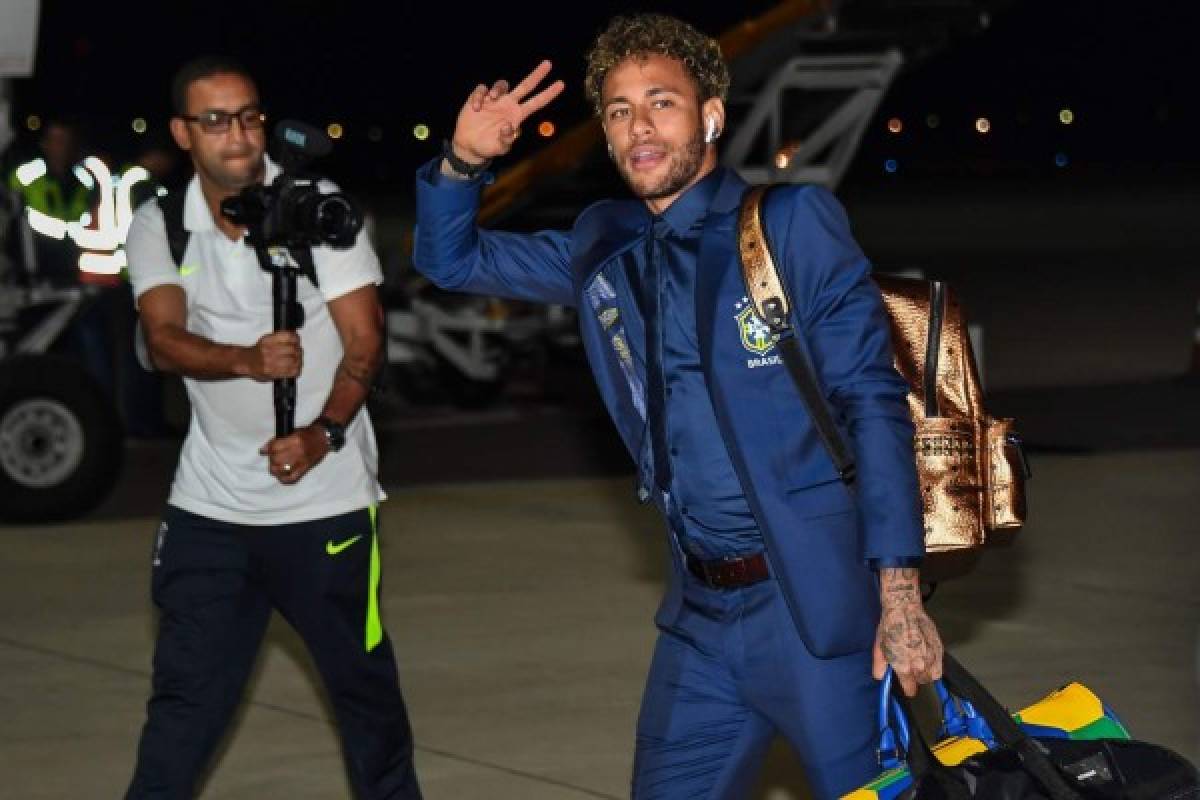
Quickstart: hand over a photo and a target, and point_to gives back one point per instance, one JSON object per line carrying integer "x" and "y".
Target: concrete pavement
{"x": 521, "y": 615}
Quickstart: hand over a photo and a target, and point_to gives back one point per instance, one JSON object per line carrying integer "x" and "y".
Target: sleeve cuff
{"x": 894, "y": 562}
{"x": 439, "y": 179}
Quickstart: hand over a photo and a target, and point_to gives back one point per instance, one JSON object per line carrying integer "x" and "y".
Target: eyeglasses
{"x": 251, "y": 118}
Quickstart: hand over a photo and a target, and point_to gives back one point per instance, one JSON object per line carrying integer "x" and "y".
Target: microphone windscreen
{"x": 311, "y": 141}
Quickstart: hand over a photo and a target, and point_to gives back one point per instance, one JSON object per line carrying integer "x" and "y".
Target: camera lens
{"x": 335, "y": 220}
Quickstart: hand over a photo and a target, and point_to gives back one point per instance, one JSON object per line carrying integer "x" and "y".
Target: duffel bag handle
{"x": 959, "y": 718}
{"x": 1034, "y": 759}
{"x": 906, "y": 745}
{"x": 976, "y": 703}
{"x": 893, "y": 741}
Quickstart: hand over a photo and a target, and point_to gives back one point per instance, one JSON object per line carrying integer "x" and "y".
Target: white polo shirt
{"x": 221, "y": 474}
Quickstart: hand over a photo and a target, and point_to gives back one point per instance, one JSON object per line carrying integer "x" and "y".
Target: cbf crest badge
{"x": 756, "y": 336}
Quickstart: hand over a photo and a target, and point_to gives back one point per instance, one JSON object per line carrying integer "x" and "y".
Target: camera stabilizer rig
{"x": 283, "y": 222}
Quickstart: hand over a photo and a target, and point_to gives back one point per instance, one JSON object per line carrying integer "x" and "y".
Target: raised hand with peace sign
{"x": 490, "y": 120}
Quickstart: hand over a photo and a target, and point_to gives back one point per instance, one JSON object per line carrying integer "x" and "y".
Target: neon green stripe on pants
{"x": 374, "y": 624}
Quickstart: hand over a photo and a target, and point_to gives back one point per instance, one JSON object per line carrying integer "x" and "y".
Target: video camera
{"x": 283, "y": 222}
{"x": 292, "y": 212}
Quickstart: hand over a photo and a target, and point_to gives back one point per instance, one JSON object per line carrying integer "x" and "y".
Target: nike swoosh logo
{"x": 334, "y": 549}
{"x": 184, "y": 271}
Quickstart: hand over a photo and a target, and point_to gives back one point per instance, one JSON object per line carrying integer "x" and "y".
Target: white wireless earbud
{"x": 710, "y": 133}
{"x": 611, "y": 154}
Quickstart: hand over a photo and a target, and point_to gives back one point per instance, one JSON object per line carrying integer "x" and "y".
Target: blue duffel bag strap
{"x": 968, "y": 709}
{"x": 904, "y": 745}
{"x": 1034, "y": 759}
{"x": 893, "y": 725}
{"x": 959, "y": 717}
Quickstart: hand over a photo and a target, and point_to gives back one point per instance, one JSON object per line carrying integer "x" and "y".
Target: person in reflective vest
{"x": 54, "y": 191}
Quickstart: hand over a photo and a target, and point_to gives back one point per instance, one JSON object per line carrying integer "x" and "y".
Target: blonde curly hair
{"x": 642, "y": 35}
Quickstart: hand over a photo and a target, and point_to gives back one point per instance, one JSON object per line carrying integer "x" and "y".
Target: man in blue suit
{"x": 788, "y": 593}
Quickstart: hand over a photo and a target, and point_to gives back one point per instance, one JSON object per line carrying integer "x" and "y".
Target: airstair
{"x": 808, "y": 76}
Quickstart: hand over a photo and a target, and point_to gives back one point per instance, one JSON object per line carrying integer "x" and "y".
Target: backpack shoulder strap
{"x": 171, "y": 205}
{"x": 766, "y": 292}
{"x": 769, "y": 298}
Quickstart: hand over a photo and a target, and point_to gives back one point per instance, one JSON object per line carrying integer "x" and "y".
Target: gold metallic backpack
{"x": 971, "y": 466}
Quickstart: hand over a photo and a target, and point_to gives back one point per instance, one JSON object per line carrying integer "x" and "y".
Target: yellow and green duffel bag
{"x": 1067, "y": 746}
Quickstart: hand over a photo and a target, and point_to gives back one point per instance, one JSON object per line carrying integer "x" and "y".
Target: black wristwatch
{"x": 335, "y": 433}
{"x": 463, "y": 168}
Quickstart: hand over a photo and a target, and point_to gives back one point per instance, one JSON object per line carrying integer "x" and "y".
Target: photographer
{"x": 257, "y": 521}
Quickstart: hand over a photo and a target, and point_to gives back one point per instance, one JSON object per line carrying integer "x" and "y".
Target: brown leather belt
{"x": 729, "y": 573}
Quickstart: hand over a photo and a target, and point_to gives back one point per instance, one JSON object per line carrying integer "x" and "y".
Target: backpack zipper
{"x": 937, "y": 310}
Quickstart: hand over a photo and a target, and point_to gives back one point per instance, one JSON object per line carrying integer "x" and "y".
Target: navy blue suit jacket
{"x": 819, "y": 536}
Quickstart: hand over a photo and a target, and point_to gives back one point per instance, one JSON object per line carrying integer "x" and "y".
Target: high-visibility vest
{"x": 51, "y": 197}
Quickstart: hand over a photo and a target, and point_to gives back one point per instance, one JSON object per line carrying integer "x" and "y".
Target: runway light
{"x": 983, "y": 125}
{"x": 933, "y": 120}
{"x": 895, "y": 125}
{"x": 546, "y": 129}
{"x": 139, "y": 125}
{"x": 421, "y": 131}
{"x": 335, "y": 130}
{"x": 1066, "y": 116}
{"x": 1061, "y": 160}
{"x": 375, "y": 133}
{"x": 891, "y": 166}
{"x": 33, "y": 122}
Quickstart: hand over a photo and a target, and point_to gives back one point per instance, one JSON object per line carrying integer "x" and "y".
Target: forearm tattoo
{"x": 899, "y": 585}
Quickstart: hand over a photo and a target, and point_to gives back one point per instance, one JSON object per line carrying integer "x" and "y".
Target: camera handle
{"x": 288, "y": 315}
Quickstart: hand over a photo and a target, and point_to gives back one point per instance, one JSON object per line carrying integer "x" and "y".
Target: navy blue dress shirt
{"x": 711, "y": 507}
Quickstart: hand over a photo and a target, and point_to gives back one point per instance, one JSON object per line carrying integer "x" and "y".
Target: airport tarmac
{"x": 521, "y": 615}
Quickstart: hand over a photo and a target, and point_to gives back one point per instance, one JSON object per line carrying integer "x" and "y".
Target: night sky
{"x": 1123, "y": 68}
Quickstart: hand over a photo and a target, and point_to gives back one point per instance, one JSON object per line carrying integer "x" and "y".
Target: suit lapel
{"x": 617, "y": 227}
{"x": 718, "y": 257}
{"x": 716, "y": 252}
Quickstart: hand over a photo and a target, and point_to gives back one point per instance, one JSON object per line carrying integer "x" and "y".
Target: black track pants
{"x": 215, "y": 584}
